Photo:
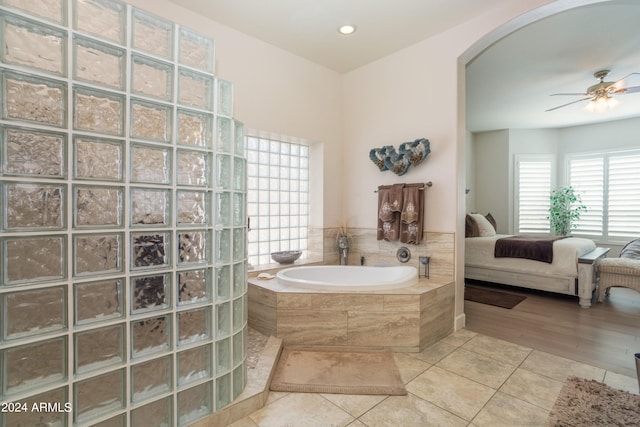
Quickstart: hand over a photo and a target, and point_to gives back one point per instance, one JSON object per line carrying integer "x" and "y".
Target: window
{"x": 533, "y": 187}
{"x": 609, "y": 185}
{"x": 278, "y": 197}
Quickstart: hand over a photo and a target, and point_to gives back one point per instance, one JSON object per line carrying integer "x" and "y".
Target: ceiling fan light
{"x": 601, "y": 104}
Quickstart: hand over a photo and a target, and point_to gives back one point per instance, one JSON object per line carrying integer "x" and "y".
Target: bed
{"x": 568, "y": 273}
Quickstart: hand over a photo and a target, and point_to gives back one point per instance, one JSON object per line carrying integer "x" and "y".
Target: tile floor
{"x": 466, "y": 379}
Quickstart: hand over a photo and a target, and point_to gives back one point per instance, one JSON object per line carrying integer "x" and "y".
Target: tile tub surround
{"x": 405, "y": 320}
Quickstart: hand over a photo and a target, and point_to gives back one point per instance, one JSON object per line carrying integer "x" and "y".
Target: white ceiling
{"x": 508, "y": 85}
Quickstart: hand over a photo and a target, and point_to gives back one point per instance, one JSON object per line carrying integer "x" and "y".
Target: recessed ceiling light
{"x": 347, "y": 29}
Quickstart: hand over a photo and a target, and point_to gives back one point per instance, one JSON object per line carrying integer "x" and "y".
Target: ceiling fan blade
{"x": 626, "y": 82}
{"x": 569, "y": 94}
{"x": 567, "y": 104}
{"x": 625, "y": 90}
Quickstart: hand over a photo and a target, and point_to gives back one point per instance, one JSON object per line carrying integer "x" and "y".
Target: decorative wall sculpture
{"x": 409, "y": 154}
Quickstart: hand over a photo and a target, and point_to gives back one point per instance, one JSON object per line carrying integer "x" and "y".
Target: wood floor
{"x": 606, "y": 335}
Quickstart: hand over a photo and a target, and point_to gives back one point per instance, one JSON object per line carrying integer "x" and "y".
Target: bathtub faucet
{"x": 343, "y": 249}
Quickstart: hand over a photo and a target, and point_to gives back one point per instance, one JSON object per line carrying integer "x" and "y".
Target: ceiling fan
{"x": 600, "y": 94}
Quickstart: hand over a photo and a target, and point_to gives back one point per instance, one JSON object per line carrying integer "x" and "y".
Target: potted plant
{"x": 566, "y": 208}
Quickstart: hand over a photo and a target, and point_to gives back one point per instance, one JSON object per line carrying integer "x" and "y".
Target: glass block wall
{"x": 122, "y": 219}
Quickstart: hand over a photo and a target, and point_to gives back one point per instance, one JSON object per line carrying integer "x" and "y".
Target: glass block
{"x": 239, "y": 174}
{"x": 150, "y": 206}
{"x": 193, "y": 207}
{"x": 34, "y": 99}
{"x": 193, "y": 247}
{"x": 223, "y": 391}
{"x": 97, "y": 254}
{"x": 223, "y": 172}
{"x": 31, "y": 259}
{"x": 223, "y": 246}
{"x": 238, "y": 347}
{"x": 239, "y": 138}
{"x": 194, "y": 128}
{"x": 223, "y": 283}
{"x": 195, "y": 50}
{"x": 239, "y": 279}
{"x": 223, "y": 209}
{"x": 151, "y": 378}
{"x": 97, "y": 206}
{"x": 158, "y": 413}
{"x": 98, "y": 301}
{"x": 238, "y": 244}
{"x": 239, "y": 217}
{"x": 101, "y": 18}
{"x": 53, "y": 10}
{"x": 150, "y": 335}
{"x": 35, "y": 206}
{"x": 195, "y": 89}
{"x": 33, "y": 45}
{"x": 98, "y": 63}
{"x": 150, "y": 250}
{"x": 194, "y": 325}
{"x": 33, "y": 153}
{"x": 34, "y": 418}
{"x": 152, "y": 78}
{"x": 238, "y": 314}
{"x": 223, "y": 356}
{"x": 117, "y": 421}
{"x": 193, "y": 168}
{"x": 34, "y": 312}
{"x": 100, "y": 159}
{"x": 98, "y": 348}
{"x": 224, "y": 141}
{"x": 150, "y": 121}
{"x": 194, "y": 364}
{"x": 150, "y": 293}
{"x": 239, "y": 380}
{"x": 99, "y": 395}
{"x": 99, "y": 112}
{"x": 152, "y": 34}
{"x": 225, "y": 97}
{"x": 194, "y": 286}
{"x": 150, "y": 164}
{"x": 194, "y": 403}
{"x": 223, "y": 319}
{"x": 34, "y": 365}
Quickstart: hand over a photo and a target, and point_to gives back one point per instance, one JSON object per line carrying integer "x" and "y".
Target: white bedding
{"x": 479, "y": 253}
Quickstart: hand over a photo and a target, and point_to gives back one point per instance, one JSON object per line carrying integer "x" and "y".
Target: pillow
{"x": 631, "y": 250}
{"x": 471, "y": 227}
{"x": 492, "y": 221}
{"x": 485, "y": 227}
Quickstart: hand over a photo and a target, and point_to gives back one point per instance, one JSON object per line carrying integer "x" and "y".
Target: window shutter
{"x": 533, "y": 190}
{"x": 586, "y": 176}
{"x": 624, "y": 195}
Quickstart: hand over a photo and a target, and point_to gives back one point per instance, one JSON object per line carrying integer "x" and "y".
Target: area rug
{"x": 590, "y": 403}
{"x": 336, "y": 370}
{"x": 490, "y": 297}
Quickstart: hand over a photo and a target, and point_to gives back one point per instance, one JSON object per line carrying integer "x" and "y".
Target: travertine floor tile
{"x": 433, "y": 354}
{"x": 533, "y": 388}
{"x": 560, "y": 368}
{"x": 507, "y": 411}
{"x": 621, "y": 382}
{"x": 409, "y": 366}
{"x": 354, "y": 404}
{"x": 477, "y": 367}
{"x": 410, "y": 411}
{"x": 497, "y": 349}
{"x": 301, "y": 409}
{"x": 456, "y": 394}
{"x": 460, "y": 337}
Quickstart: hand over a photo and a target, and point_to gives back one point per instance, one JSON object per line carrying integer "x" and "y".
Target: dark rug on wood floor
{"x": 488, "y": 296}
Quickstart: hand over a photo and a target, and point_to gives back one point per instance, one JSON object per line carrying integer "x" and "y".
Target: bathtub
{"x": 349, "y": 277}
